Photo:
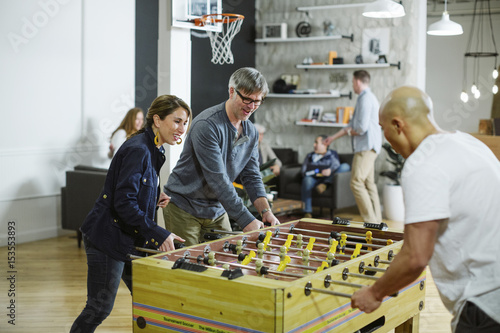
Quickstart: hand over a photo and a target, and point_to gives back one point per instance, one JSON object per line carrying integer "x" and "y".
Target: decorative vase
{"x": 394, "y": 208}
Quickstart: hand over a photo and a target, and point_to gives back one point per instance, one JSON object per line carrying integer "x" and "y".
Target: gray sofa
{"x": 83, "y": 186}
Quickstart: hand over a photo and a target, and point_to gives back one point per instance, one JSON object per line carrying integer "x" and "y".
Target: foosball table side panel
{"x": 166, "y": 300}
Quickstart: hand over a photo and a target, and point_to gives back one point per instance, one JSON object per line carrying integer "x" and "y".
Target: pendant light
{"x": 481, "y": 45}
{"x": 384, "y": 9}
{"x": 445, "y": 27}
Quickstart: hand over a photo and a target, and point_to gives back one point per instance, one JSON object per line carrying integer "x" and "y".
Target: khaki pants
{"x": 192, "y": 228}
{"x": 363, "y": 186}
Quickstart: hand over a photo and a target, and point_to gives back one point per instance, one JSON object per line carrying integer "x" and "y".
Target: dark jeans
{"x": 474, "y": 320}
{"x": 308, "y": 185}
{"x": 103, "y": 279}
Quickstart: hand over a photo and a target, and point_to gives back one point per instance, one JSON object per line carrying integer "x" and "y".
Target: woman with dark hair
{"x": 131, "y": 123}
{"x": 123, "y": 215}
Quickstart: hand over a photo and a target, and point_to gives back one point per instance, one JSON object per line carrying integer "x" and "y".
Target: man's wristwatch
{"x": 265, "y": 210}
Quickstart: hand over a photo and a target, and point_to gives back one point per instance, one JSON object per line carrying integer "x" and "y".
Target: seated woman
{"x": 317, "y": 171}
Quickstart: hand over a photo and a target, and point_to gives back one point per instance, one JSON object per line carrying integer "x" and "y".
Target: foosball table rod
{"x": 277, "y": 254}
{"x": 327, "y": 244}
{"x": 309, "y": 289}
{"x": 334, "y": 234}
{"x": 272, "y": 262}
{"x": 262, "y": 270}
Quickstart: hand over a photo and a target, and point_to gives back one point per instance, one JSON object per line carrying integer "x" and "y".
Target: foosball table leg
{"x": 409, "y": 326}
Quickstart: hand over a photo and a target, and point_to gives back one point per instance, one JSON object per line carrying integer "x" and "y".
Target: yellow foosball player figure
{"x": 451, "y": 185}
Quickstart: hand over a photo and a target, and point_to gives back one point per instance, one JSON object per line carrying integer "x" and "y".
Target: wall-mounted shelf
{"x": 347, "y": 5}
{"x": 349, "y": 66}
{"x": 319, "y": 124}
{"x": 309, "y": 95}
{"x": 303, "y": 39}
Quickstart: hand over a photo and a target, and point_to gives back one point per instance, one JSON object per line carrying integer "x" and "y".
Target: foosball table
{"x": 294, "y": 277}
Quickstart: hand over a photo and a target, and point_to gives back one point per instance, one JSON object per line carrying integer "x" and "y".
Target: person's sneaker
{"x": 308, "y": 215}
{"x": 321, "y": 188}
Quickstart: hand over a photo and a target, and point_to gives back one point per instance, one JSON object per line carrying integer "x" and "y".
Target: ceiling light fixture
{"x": 445, "y": 26}
{"x": 384, "y": 9}
{"x": 476, "y": 48}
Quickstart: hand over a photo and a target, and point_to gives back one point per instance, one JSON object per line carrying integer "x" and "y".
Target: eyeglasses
{"x": 247, "y": 100}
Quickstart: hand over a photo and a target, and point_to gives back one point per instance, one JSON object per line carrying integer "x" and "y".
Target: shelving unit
{"x": 319, "y": 124}
{"x": 347, "y": 5}
{"x": 308, "y": 95}
{"x": 349, "y": 66}
{"x": 303, "y": 39}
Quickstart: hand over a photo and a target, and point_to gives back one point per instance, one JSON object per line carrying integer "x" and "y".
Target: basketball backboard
{"x": 185, "y": 11}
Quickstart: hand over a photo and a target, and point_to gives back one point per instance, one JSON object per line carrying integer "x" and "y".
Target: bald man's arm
{"x": 417, "y": 250}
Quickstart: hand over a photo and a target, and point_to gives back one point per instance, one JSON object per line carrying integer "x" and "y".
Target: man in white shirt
{"x": 451, "y": 186}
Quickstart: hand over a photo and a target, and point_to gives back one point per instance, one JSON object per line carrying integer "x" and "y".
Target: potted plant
{"x": 392, "y": 197}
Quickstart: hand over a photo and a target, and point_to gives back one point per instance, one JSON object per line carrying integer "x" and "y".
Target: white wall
{"x": 445, "y": 56}
{"x": 174, "y": 77}
{"x": 67, "y": 80}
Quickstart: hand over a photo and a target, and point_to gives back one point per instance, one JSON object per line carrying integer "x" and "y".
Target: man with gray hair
{"x": 221, "y": 144}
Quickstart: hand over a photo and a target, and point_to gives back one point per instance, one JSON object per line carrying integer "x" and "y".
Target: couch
{"x": 336, "y": 196}
{"x": 288, "y": 158}
{"x": 83, "y": 185}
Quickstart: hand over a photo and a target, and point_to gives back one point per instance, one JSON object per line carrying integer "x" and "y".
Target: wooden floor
{"x": 50, "y": 290}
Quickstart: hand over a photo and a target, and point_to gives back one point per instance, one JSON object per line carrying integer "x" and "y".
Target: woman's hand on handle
{"x": 168, "y": 244}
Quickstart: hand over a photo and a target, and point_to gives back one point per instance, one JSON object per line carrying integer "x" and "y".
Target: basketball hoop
{"x": 220, "y": 39}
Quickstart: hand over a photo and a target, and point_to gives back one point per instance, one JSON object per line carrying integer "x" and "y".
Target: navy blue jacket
{"x": 123, "y": 215}
{"x": 329, "y": 160}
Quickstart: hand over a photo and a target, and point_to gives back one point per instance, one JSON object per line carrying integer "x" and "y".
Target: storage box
{"x": 344, "y": 114}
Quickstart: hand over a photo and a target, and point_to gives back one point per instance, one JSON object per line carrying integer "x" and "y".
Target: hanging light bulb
{"x": 494, "y": 89}
{"x": 477, "y": 94}
{"x": 473, "y": 89}
{"x": 464, "y": 97}
{"x": 495, "y": 73}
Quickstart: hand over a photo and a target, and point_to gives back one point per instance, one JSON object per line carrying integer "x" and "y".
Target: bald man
{"x": 451, "y": 185}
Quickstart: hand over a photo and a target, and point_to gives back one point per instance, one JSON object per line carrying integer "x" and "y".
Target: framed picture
{"x": 274, "y": 30}
{"x": 315, "y": 112}
{"x": 375, "y": 43}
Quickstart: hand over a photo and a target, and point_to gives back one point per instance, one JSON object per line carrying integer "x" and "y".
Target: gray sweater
{"x": 212, "y": 158}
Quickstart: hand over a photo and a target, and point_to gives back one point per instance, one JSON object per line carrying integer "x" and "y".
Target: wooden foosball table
{"x": 296, "y": 277}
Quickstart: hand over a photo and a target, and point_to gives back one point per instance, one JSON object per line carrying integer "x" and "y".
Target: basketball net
{"x": 230, "y": 25}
